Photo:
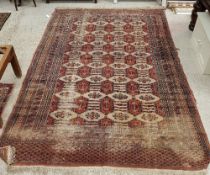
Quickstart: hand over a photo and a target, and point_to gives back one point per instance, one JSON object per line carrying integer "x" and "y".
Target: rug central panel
{"x": 107, "y": 74}
{"x": 106, "y": 88}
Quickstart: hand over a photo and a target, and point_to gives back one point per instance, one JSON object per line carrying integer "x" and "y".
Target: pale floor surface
{"x": 24, "y": 30}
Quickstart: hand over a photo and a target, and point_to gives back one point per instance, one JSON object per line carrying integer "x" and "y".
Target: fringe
{"x": 44, "y": 170}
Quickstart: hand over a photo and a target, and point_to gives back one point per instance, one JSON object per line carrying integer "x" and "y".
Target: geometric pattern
{"x": 112, "y": 77}
{"x": 5, "y": 90}
{"x": 106, "y": 88}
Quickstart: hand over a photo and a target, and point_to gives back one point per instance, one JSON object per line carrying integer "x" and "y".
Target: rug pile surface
{"x": 106, "y": 88}
{"x": 5, "y": 90}
{"x": 3, "y": 18}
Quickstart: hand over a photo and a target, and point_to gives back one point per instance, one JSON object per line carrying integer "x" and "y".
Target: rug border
{"x": 11, "y": 86}
{"x": 186, "y": 83}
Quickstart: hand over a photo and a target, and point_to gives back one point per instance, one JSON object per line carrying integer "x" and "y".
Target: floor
{"x": 25, "y": 27}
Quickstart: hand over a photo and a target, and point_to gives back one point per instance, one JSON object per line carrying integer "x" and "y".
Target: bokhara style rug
{"x": 3, "y": 18}
{"x": 5, "y": 90}
{"x": 106, "y": 88}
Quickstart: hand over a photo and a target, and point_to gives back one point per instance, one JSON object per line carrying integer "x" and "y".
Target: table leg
{"x": 19, "y": 2}
{"x": 15, "y": 1}
{"x": 9, "y": 56}
{"x": 34, "y": 3}
{"x": 15, "y": 65}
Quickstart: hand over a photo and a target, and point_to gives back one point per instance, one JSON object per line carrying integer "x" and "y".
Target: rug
{"x": 3, "y": 18}
{"x": 106, "y": 89}
{"x": 5, "y": 90}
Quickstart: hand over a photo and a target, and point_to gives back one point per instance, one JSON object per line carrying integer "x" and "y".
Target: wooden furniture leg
{"x": 34, "y": 3}
{"x": 9, "y": 56}
{"x": 197, "y": 7}
{"x": 19, "y": 2}
{"x": 15, "y": 1}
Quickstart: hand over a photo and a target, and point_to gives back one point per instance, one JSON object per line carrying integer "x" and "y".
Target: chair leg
{"x": 15, "y": 1}
{"x": 34, "y": 3}
{"x": 19, "y": 2}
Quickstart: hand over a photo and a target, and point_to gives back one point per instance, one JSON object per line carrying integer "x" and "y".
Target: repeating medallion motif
{"x": 110, "y": 77}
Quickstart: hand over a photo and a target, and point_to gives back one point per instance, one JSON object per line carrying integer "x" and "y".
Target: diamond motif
{"x": 98, "y": 54}
{"x": 119, "y": 79}
{"x": 141, "y": 54}
{"x": 99, "y": 43}
{"x": 121, "y": 117}
{"x": 72, "y": 65}
{"x": 144, "y": 80}
{"x": 63, "y": 115}
{"x": 119, "y": 66}
{"x": 94, "y": 95}
{"x": 120, "y": 96}
{"x": 96, "y": 79}
{"x": 97, "y": 65}
{"x": 118, "y": 43}
{"x": 138, "y": 23}
{"x": 150, "y": 117}
{"x": 92, "y": 115}
{"x": 99, "y": 32}
{"x": 70, "y": 78}
{"x": 148, "y": 98}
{"x": 119, "y": 54}
{"x": 143, "y": 66}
